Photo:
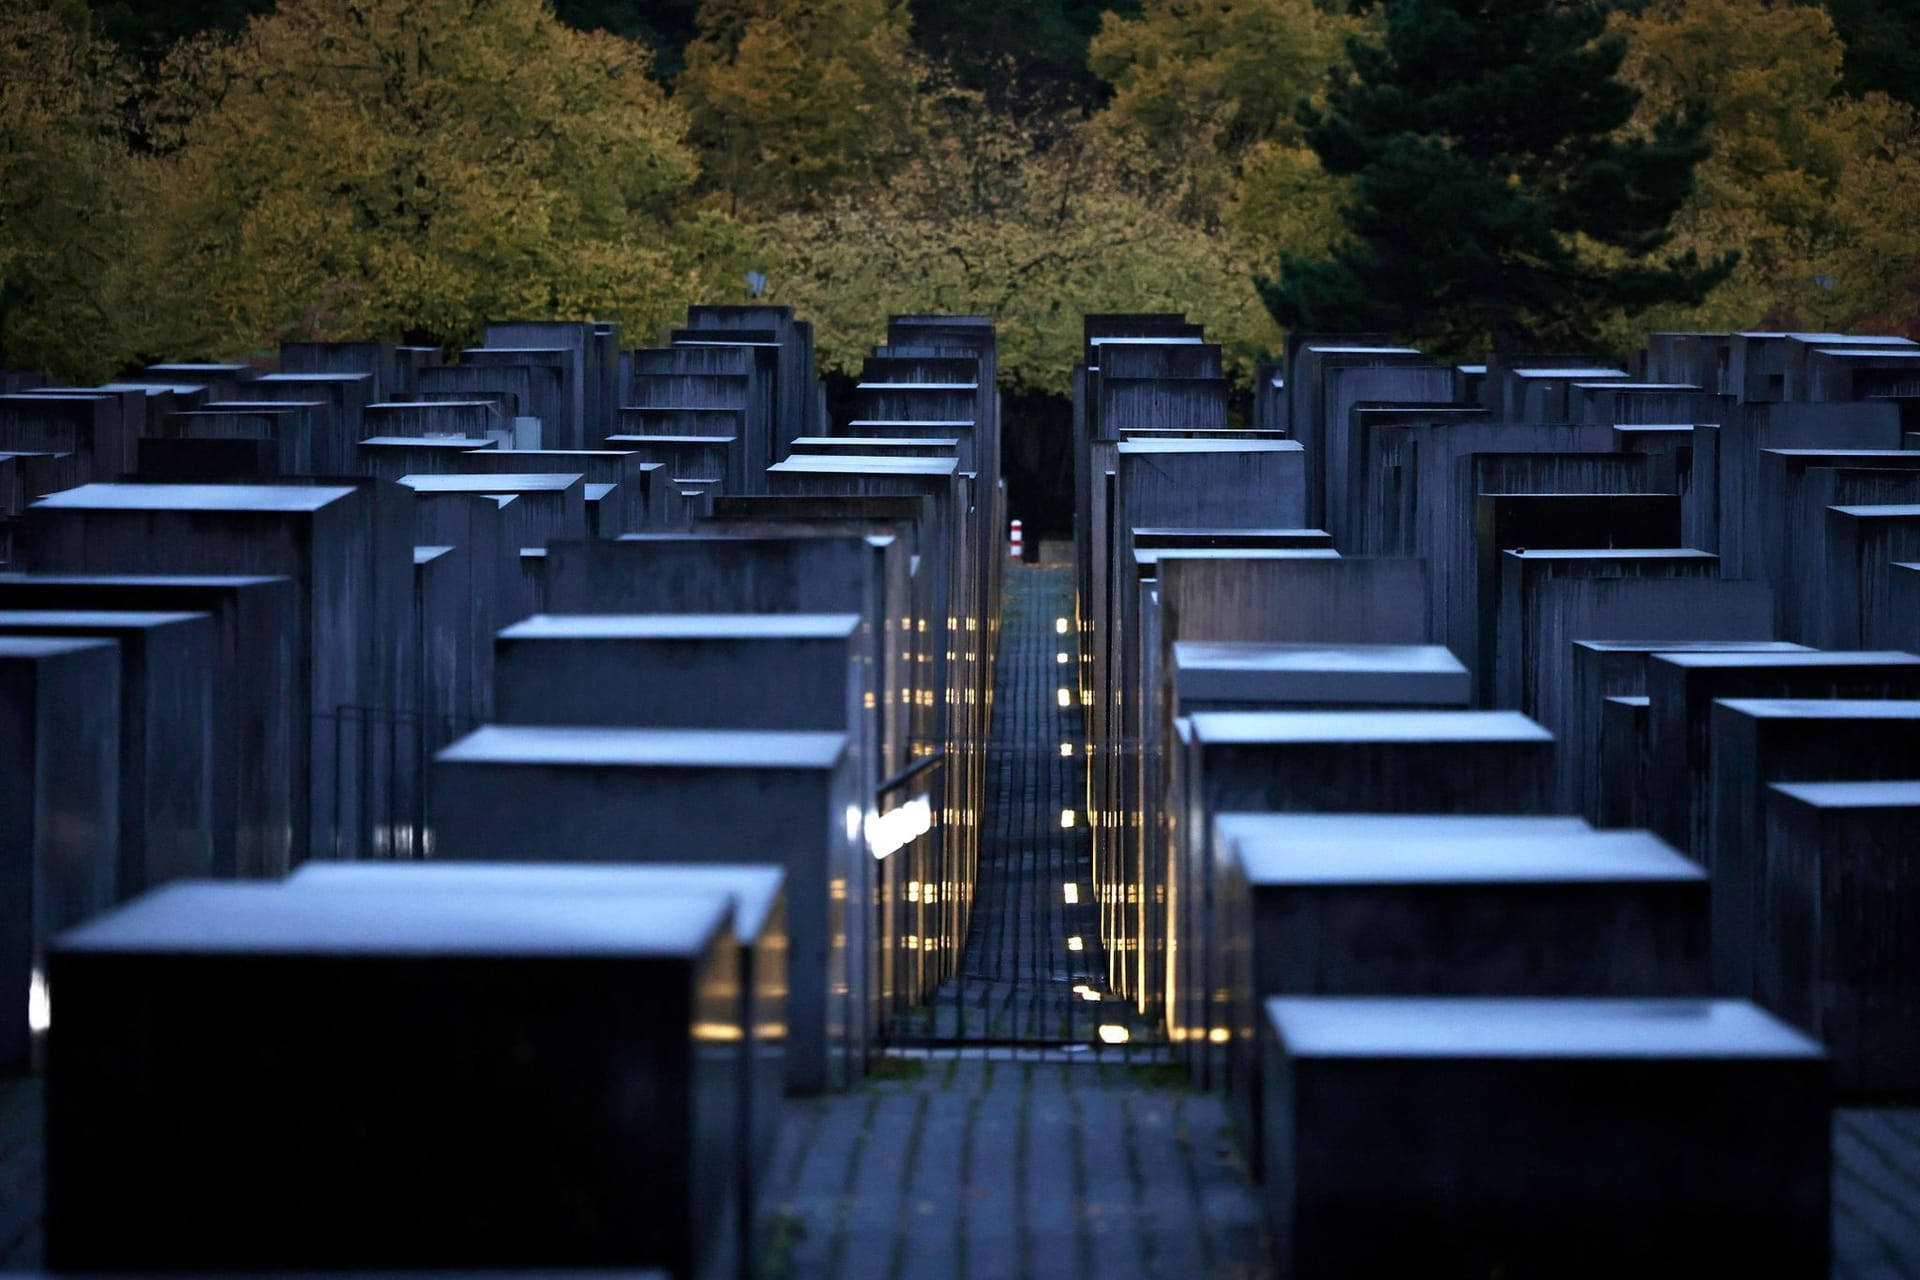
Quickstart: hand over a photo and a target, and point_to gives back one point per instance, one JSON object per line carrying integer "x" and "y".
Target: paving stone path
{"x": 1033, "y": 954}
{"x": 975, "y": 1167}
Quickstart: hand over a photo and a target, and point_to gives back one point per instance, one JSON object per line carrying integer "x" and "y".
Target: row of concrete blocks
{"x": 1425, "y": 1016}
{"x": 1403, "y": 458}
{"x": 673, "y": 690}
{"x": 533, "y": 385}
{"x": 120, "y": 524}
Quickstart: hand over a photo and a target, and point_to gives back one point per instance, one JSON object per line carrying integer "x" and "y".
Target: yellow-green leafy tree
{"x": 794, "y": 99}
{"x": 70, "y": 196}
{"x": 1035, "y": 224}
{"x": 1819, "y": 191}
{"x": 1209, "y": 90}
{"x": 357, "y": 168}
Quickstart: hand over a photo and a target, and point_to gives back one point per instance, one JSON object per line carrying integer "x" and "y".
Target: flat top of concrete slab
{"x": 1691, "y": 646}
{"x": 1148, "y": 556}
{"x": 917, "y": 386}
{"x": 1229, "y": 727}
{"x": 930, "y": 424}
{"x": 1631, "y": 700}
{"x": 1396, "y": 826}
{"x": 648, "y": 748}
{"x": 1337, "y": 349}
{"x": 361, "y": 1275}
{"x": 1253, "y": 656}
{"x": 567, "y": 453}
{"x": 140, "y": 579}
{"x": 315, "y": 377}
{"x": 427, "y": 555}
{"x": 1802, "y": 658}
{"x": 1613, "y": 385}
{"x": 883, "y": 441}
{"x": 33, "y": 648}
{"x": 1611, "y": 553}
{"x": 1853, "y": 795}
{"x": 1829, "y": 339}
{"x": 1880, "y": 353}
{"x": 268, "y": 498}
{"x": 595, "y": 492}
{"x": 200, "y": 917}
{"x": 430, "y": 405}
{"x": 95, "y": 619}
{"x": 1128, "y": 448}
{"x": 1848, "y": 455}
{"x": 1493, "y": 1027}
{"x": 1576, "y": 371}
{"x": 1881, "y": 511}
{"x": 1586, "y": 857}
{"x": 516, "y": 482}
{"x": 458, "y": 444}
{"x": 1643, "y": 428}
{"x": 755, "y": 887}
{"x": 665, "y": 439}
{"x": 1822, "y": 708}
{"x": 857, "y": 463}
{"x": 1154, "y": 531}
{"x": 684, "y": 626}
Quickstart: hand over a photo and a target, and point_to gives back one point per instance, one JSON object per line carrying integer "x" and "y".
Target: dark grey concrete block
{"x": 1518, "y": 615}
{"x": 1863, "y": 544}
{"x": 1463, "y": 907}
{"x": 391, "y": 457}
{"x": 1837, "y": 945}
{"x": 1757, "y": 741}
{"x": 1622, "y": 758}
{"x": 256, "y": 678}
{"x": 347, "y": 548}
{"x": 759, "y": 897}
{"x": 1575, "y": 1137}
{"x": 1608, "y": 668}
{"x": 1246, "y": 676}
{"x": 682, "y": 671}
{"x": 1681, "y": 688}
{"x": 598, "y": 1038}
{"x": 167, "y": 818}
{"x": 609, "y": 795}
{"x": 59, "y": 829}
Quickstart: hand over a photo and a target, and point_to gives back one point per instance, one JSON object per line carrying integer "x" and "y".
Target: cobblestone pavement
{"x": 1033, "y": 957}
{"x": 965, "y": 1167}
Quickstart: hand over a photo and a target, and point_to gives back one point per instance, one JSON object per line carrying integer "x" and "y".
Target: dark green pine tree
{"x": 1495, "y": 198}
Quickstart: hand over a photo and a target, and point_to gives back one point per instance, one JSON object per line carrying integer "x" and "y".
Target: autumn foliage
{"x": 346, "y": 168}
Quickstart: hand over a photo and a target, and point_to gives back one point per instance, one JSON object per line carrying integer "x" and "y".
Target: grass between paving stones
{"x": 887, "y": 1070}
{"x": 779, "y": 1237}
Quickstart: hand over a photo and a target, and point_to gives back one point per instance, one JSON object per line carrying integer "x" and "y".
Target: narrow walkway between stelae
{"x": 1008, "y": 1138}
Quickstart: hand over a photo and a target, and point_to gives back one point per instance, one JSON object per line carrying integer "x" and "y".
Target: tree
{"x": 1820, "y": 190}
{"x": 70, "y": 199}
{"x": 352, "y": 168}
{"x": 1203, "y": 110}
{"x": 1882, "y": 41}
{"x": 1030, "y": 221}
{"x": 790, "y": 98}
{"x": 1026, "y": 56}
{"x": 1497, "y": 195}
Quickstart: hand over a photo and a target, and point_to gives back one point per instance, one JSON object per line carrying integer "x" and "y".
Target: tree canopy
{"x": 1495, "y": 197}
{"x": 344, "y": 168}
{"x": 204, "y": 177}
